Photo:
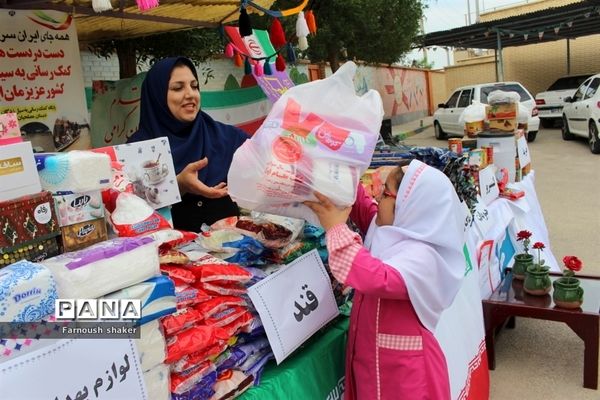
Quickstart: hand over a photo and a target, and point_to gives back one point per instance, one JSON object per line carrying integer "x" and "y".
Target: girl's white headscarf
{"x": 425, "y": 243}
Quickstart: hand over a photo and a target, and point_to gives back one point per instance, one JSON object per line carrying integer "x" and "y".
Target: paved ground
{"x": 542, "y": 359}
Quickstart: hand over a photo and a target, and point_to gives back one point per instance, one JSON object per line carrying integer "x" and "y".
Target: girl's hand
{"x": 188, "y": 182}
{"x": 329, "y": 214}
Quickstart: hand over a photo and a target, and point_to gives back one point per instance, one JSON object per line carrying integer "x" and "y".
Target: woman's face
{"x": 387, "y": 201}
{"x": 183, "y": 95}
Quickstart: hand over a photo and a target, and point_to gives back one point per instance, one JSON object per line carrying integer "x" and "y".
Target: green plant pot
{"x": 567, "y": 293}
{"x": 522, "y": 262}
{"x": 536, "y": 282}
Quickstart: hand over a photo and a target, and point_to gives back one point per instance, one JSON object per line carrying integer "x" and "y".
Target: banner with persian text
{"x": 41, "y": 78}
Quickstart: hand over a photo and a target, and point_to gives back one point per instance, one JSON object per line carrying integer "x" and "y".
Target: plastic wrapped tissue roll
{"x": 27, "y": 292}
{"x": 158, "y": 382}
{"x": 151, "y": 345}
{"x": 74, "y": 171}
{"x": 157, "y": 295}
{"x": 104, "y": 267}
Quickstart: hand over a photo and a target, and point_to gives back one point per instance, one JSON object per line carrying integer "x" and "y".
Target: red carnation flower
{"x": 539, "y": 245}
{"x": 522, "y": 235}
{"x": 573, "y": 263}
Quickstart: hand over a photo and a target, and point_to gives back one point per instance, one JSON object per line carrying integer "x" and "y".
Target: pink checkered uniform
{"x": 404, "y": 276}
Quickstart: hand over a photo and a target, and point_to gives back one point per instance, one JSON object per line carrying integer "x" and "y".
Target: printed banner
{"x": 41, "y": 78}
{"x": 294, "y": 303}
{"x": 258, "y": 45}
{"x": 110, "y": 371}
{"x": 116, "y": 109}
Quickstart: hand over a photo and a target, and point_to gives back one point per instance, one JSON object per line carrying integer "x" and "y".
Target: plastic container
{"x": 505, "y": 150}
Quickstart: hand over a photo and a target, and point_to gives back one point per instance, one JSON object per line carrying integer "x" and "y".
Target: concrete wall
{"x": 438, "y": 92}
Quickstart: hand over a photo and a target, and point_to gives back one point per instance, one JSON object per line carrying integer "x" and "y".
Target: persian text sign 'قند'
{"x": 294, "y": 303}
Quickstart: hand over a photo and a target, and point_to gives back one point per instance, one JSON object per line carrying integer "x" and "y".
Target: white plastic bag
{"x": 500, "y": 97}
{"x": 319, "y": 136}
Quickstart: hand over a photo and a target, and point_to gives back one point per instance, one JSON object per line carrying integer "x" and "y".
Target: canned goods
{"x": 489, "y": 152}
{"x": 455, "y": 145}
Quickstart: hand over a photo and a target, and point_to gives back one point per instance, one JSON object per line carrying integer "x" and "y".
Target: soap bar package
{"x": 18, "y": 173}
{"x": 27, "y": 223}
{"x": 75, "y": 208}
{"x": 27, "y": 292}
{"x": 10, "y": 132}
{"x": 84, "y": 234}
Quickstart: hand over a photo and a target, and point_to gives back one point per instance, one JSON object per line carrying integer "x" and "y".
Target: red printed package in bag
{"x": 188, "y": 296}
{"x": 181, "y": 382}
{"x": 222, "y": 273}
{"x": 241, "y": 324}
{"x": 193, "y": 339}
{"x": 134, "y": 217}
{"x": 172, "y": 256}
{"x": 210, "y": 307}
{"x": 225, "y": 317}
{"x": 172, "y": 238}
{"x": 198, "y": 357}
{"x": 180, "y": 320}
{"x": 179, "y": 276}
{"x": 221, "y": 289}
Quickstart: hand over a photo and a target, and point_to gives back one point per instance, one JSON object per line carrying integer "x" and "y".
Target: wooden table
{"x": 509, "y": 300}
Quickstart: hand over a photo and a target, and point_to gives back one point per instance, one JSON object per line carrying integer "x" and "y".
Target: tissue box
{"x": 75, "y": 208}
{"x": 27, "y": 292}
{"x": 18, "y": 173}
{"x": 28, "y": 228}
{"x": 83, "y": 234}
{"x": 9, "y": 129}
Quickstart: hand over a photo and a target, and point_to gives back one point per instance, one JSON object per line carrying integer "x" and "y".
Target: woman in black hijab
{"x": 202, "y": 148}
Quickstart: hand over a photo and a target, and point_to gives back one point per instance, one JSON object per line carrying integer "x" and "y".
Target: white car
{"x": 581, "y": 113}
{"x": 550, "y": 103}
{"x": 446, "y": 117}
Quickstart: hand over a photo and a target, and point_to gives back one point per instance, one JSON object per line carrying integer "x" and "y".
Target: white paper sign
{"x": 488, "y": 187}
{"x": 76, "y": 369}
{"x": 523, "y": 151}
{"x": 294, "y": 303}
{"x": 482, "y": 217}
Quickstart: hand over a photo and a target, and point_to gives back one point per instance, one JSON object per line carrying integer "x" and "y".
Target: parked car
{"x": 581, "y": 113}
{"x": 446, "y": 117}
{"x": 550, "y": 103}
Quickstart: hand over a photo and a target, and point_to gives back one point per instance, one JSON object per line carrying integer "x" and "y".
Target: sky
{"x": 441, "y": 15}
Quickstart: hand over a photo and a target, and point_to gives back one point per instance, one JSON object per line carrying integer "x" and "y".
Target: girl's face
{"x": 387, "y": 201}
{"x": 183, "y": 95}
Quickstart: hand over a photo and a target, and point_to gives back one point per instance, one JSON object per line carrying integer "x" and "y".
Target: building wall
{"x": 469, "y": 74}
{"x": 528, "y": 7}
{"x": 439, "y": 91}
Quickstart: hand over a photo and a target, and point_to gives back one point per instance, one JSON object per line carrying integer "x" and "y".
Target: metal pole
{"x": 469, "y": 11}
{"x": 476, "y": 11}
{"x": 496, "y": 63}
{"x": 447, "y": 55}
{"x": 568, "y": 56}
{"x": 500, "y": 63}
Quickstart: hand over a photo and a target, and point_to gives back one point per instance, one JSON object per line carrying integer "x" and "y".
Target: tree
{"x": 374, "y": 31}
{"x": 196, "y": 44}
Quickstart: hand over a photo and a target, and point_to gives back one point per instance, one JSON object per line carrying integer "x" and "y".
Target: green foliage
{"x": 375, "y": 31}
{"x": 196, "y": 44}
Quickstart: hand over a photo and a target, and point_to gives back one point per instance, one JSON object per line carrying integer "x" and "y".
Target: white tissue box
{"x": 27, "y": 292}
{"x": 75, "y": 208}
{"x": 18, "y": 173}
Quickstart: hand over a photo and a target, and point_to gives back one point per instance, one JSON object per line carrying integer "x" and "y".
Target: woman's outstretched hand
{"x": 329, "y": 214}
{"x": 188, "y": 182}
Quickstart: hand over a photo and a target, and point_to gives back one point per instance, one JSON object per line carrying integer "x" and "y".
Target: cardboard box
{"x": 10, "y": 132}
{"x": 75, "y": 208}
{"x": 502, "y": 117}
{"x": 83, "y": 234}
{"x": 504, "y": 125}
{"x": 28, "y": 228}
{"x": 18, "y": 172}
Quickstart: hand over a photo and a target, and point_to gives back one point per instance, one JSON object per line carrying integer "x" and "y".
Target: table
{"x": 315, "y": 371}
{"x": 509, "y": 300}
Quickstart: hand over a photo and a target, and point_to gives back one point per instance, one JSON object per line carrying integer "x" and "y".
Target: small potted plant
{"x": 522, "y": 260}
{"x": 567, "y": 290}
{"x": 537, "y": 279}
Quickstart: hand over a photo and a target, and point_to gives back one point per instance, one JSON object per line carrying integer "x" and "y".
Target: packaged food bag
{"x": 472, "y": 118}
{"x": 319, "y": 136}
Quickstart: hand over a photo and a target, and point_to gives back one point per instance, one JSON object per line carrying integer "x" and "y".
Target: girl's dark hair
{"x": 398, "y": 173}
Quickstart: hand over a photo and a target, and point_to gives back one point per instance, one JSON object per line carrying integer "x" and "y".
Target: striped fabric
{"x": 399, "y": 342}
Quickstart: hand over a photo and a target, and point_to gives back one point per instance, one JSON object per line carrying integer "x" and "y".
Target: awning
{"x": 550, "y": 24}
{"x": 127, "y": 21}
